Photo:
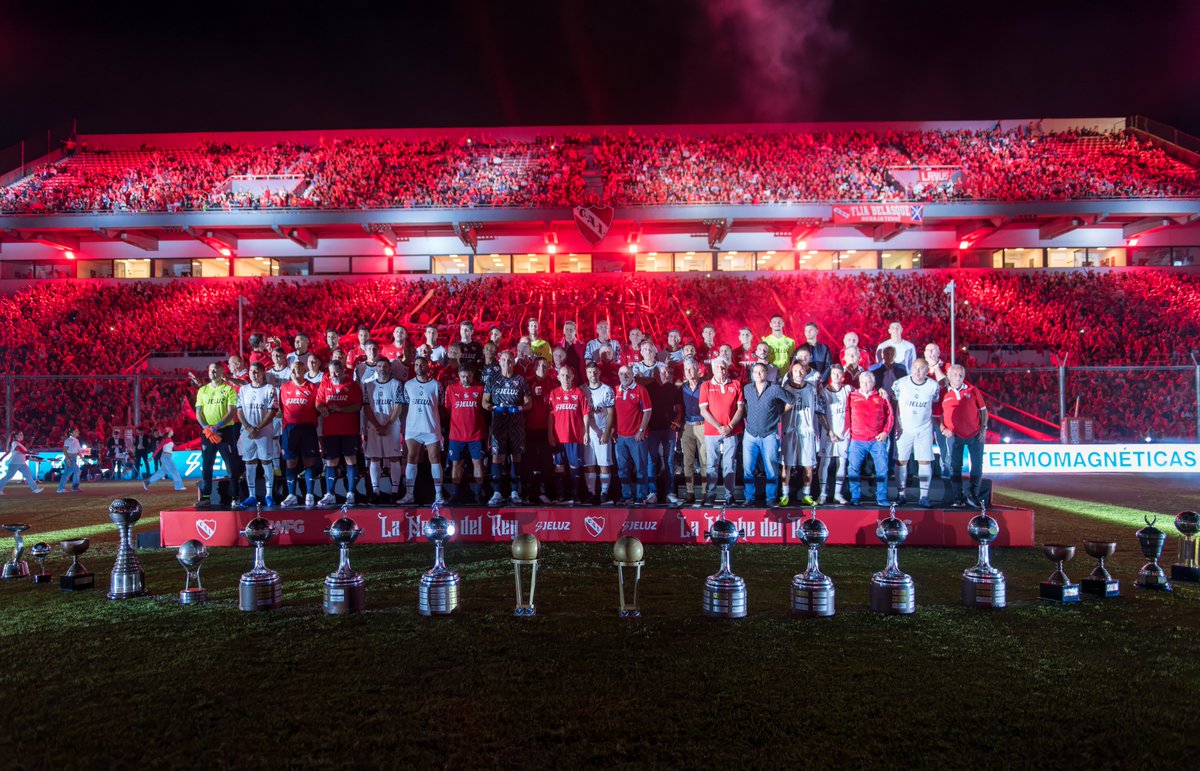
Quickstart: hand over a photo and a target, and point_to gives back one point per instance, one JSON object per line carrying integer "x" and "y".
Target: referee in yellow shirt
{"x": 216, "y": 411}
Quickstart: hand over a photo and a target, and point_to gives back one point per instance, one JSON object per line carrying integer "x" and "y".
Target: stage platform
{"x": 847, "y": 526}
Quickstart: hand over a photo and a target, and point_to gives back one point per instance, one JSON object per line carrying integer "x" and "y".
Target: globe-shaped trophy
{"x": 1100, "y": 583}
{"x": 1058, "y": 587}
{"x": 40, "y": 551}
{"x": 525, "y": 550}
{"x": 983, "y": 586}
{"x": 627, "y": 554}
{"x": 1188, "y": 567}
{"x": 16, "y": 567}
{"x": 127, "y": 579}
{"x": 1152, "y": 576}
{"x": 438, "y": 592}
{"x": 812, "y": 590}
{"x": 893, "y": 590}
{"x": 345, "y": 590}
{"x": 259, "y": 589}
{"x": 724, "y": 593}
{"x": 76, "y": 577}
{"x": 191, "y": 556}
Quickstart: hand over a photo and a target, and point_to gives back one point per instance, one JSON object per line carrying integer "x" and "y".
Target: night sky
{"x": 129, "y": 67}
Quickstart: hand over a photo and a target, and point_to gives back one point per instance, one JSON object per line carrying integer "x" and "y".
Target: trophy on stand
{"x": 16, "y": 567}
{"x": 1152, "y": 576}
{"x": 127, "y": 579}
{"x": 76, "y": 577}
{"x": 724, "y": 593}
{"x": 438, "y": 592}
{"x": 1100, "y": 583}
{"x": 345, "y": 590}
{"x": 627, "y": 553}
{"x": 812, "y": 590}
{"x": 525, "y": 549}
{"x": 259, "y": 589}
{"x": 1058, "y": 587}
{"x": 40, "y": 552}
{"x": 1188, "y": 567}
{"x": 893, "y": 590}
{"x": 983, "y": 586}
{"x": 191, "y": 556}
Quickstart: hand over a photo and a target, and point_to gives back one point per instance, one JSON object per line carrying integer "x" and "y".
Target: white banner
{"x": 1146, "y": 458}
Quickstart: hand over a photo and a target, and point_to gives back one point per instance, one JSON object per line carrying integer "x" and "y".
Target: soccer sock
{"x": 564, "y": 492}
{"x": 396, "y": 473}
{"x": 924, "y": 475}
{"x": 807, "y": 473}
{"x": 436, "y": 470}
{"x": 605, "y": 481}
{"x": 375, "y": 469}
{"x": 516, "y": 477}
{"x": 351, "y": 477}
{"x": 410, "y": 479}
{"x": 901, "y": 477}
{"x": 291, "y": 479}
{"x": 823, "y": 475}
{"x": 589, "y": 478}
{"x": 495, "y": 477}
{"x": 310, "y": 483}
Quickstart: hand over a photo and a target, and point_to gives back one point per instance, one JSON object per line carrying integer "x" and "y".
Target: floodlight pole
{"x": 241, "y": 337}
{"x": 953, "y": 346}
{"x": 8, "y": 407}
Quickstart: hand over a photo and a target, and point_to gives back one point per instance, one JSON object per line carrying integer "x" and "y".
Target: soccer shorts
{"x": 568, "y": 454}
{"x": 799, "y": 449}
{"x": 300, "y": 441}
{"x": 460, "y": 450}
{"x": 424, "y": 439}
{"x": 340, "y": 446}
{"x": 388, "y": 444}
{"x": 832, "y": 449}
{"x": 262, "y": 448}
{"x": 595, "y": 453}
{"x": 508, "y": 434}
{"x": 915, "y": 443}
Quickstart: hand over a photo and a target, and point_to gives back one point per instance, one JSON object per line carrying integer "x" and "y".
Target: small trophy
{"x": 16, "y": 567}
{"x": 76, "y": 577}
{"x": 1058, "y": 587}
{"x": 127, "y": 579}
{"x": 724, "y": 593}
{"x": 812, "y": 590}
{"x": 983, "y": 586}
{"x": 1100, "y": 583}
{"x": 438, "y": 592}
{"x": 1152, "y": 576}
{"x": 40, "y": 552}
{"x": 191, "y": 556}
{"x": 259, "y": 589}
{"x": 627, "y": 553}
{"x": 525, "y": 549}
{"x": 1188, "y": 567}
{"x": 345, "y": 590}
{"x": 893, "y": 590}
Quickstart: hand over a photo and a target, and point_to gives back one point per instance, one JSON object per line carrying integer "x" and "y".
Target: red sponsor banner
{"x": 916, "y": 179}
{"x": 299, "y": 527}
{"x": 863, "y": 213}
{"x": 593, "y": 222}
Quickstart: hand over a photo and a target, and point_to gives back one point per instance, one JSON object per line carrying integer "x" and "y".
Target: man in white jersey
{"x": 383, "y": 409}
{"x": 835, "y": 444}
{"x": 436, "y": 352}
{"x": 280, "y": 371}
{"x": 599, "y": 420}
{"x": 915, "y": 396}
{"x": 365, "y": 370}
{"x": 423, "y": 429}
{"x": 257, "y": 405}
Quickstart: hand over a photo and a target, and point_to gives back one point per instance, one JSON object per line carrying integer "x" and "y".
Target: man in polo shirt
{"x": 869, "y": 416}
{"x": 692, "y": 439}
{"x": 722, "y": 406}
{"x": 766, "y": 403}
{"x": 216, "y": 412}
{"x": 782, "y": 347}
{"x": 822, "y": 357}
{"x": 602, "y": 338}
{"x": 665, "y": 421}
{"x": 964, "y": 423}
{"x": 633, "y": 408}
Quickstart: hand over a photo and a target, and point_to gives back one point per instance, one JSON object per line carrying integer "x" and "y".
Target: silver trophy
{"x": 76, "y": 577}
{"x": 627, "y": 553}
{"x": 16, "y": 567}
{"x": 983, "y": 586}
{"x": 724, "y": 593}
{"x": 127, "y": 579}
{"x": 191, "y": 556}
{"x": 259, "y": 589}
{"x": 40, "y": 551}
{"x": 1188, "y": 567}
{"x": 525, "y": 550}
{"x": 1152, "y": 576}
{"x": 1058, "y": 587}
{"x": 438, "y": 592}
{"x": 345, "y": 590}
{"x": 1100, "y": 582}
{"x": 893, "y": 590}
{"x": 812, "y": 590}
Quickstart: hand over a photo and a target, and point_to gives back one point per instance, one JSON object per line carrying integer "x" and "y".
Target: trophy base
{"x": 1156, "y": 585}
{"x": 525, "y": 612}
{"x": 340, "y": 600}
{"x": 14, "y": 570}
{"x": 77, "y": 583}
{"x": 725, "y": 596}
{"x": 629, "y": 613}
{"x": 984, "y": 594}
{"x": 812, "y": 603}
{"x": 259, "y": 596}
{"x": 43, "y": 578}
{"x": 1100, "y": 587}
{"x": 438, "y": 593}
{"x": 1186, "y": 573}
{"x": 194, "y": 596}
{"x": 1060, "y": 593}
{"x": 894, "y": 599}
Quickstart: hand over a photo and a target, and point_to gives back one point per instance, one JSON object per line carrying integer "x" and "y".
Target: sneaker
{"x": 651, "y": 500}
{"x": 77, "y": 490}
{"x": 249, "y": 503}
{"x": 884, "y": 504}
{"x": 689, "y": 499}
{"x": 439, "y": 500}
{"x": 407, "y": 500}
{"x": 201, "y": 505}
{"x": 855, "y": 501}
{"x": 495, "y": 500}
{"x": 625, "y": 502}
{"x": 290, "y": 501}
{"x": 543, "y": 499}
{"x": 807, "y": 500}
{"x": 901, "y": 499}
{"x": 959, "y": 502}
{"x": 973, "y": 501}
{"x": 329, "y": 500}
{"x": 60, "y": 492}
{"x": 515, "y": 500}
{"x": 746, "y": 503}
{"x": 709, "y": 501}
{"x": 784, "y": 500}
{"x": 923, "y": 503}
{"x": 177, "y": 489}
{"x": 37, "y": 490}
{"x": 310, "y": 500}
{"x": 823, "y": 500}
{"x": 270, "y": 504}
{"x": 145, "y": 486}
{"x": 838, "y": 499}
{"x": 566, "y": 502}
{"x": 608, "y": 502}
{"x": 350, "y": 498}
{"x": 673, "y": 501}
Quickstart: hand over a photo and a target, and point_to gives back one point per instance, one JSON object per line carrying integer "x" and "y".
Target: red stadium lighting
{"x": 551, "y": 248}
{"x": 1132, "y": 242}
{"x": 633, "y": 248}
{"x": 964, "y": 244}
{"x": 801, "y": 245}
{"x": 389, "y": 251}
{"x": 226, "y": 251}
{"x": 70, "y": 255}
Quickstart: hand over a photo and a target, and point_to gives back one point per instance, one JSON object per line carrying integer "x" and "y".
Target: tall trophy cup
{"x": 812, "y": 590}
{"x": 40, "y": 551}
{"x": 76, "y": 577}
{"x": 259, "y": 589}
{"x": 16, "y": 567}
{"x": 724, "y": 593}
{"x": 525, "y": 548}
{"x": 627, "y": 553}
{"x": 983, "y": 586}
{"x": 893, "y": 590}
{"x": 127, "y": 579}
{"x": 1100, "y": 583}
{"x": 1188, "y": 567}
{"x": 1058, "y": 587}
{"x": 191, "y": 556}
{"x": 345, "y": 590}
{"x": 1152, "y": 576}
{"x": 438, "y": 592}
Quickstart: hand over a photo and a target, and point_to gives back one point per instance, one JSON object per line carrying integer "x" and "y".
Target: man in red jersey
{"x": 339, "y": 400}
{"x": 964, "y": 423}
{"x": 565, "y": 433}
{"x": 723, "y": 409}
{"x": 464, "y": 402}
{"x": 870, "y": 418}
{"x": 537, "y": 419}
{"x": 298, "y": 403}
{"x": 633, "y": 408}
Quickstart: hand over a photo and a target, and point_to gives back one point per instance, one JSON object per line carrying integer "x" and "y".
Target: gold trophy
{"x": 627, "y": 553}
{"x": 525, "y": 549}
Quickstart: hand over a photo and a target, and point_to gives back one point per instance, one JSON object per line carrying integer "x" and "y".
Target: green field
{"x": 90, "y": 683}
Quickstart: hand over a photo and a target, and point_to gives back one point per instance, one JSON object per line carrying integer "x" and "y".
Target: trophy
{"x": 40, "y": 552}
{"x": 627, "y": 553}
{"x": 345, "y": 590}
{"x": 1058, "y": 587}
{"x": 1151, "y": 539}
{"x": 127, "y": 579}
{"x": 812, "y": 590}
{"x": 16, "y": 567}
{"x": 438, "y": 593}
{"x": 76, "y": 577}
{"x": 259, "y": 589}
{"x": 983, "y": 586}
{"x": 525, "y": 552}
{"x": 724, "y": 593}
{"x": 1188, "y": 567}
{"x": 892, "y": 590}
{"x": 191, "y": 556}
{"x": 1100, "y": 582}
